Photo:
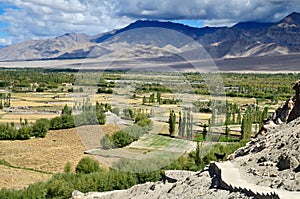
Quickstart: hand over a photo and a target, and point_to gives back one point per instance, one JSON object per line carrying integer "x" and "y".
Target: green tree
{"x": 101, "y": 117}
{"x": 66, "y": 110}
{"x": 121, "y": 138}
{"x": 40, "y": 127}
{"x": 246, "y": 127}
{"x": 227, "y": 131}
{"x": 198, "y": 158}
{"x": 151, "y": 98}
{"x": 144, "y": 100}
{"x": 172, "y": 123}
{"x": 87, "y": 165}
{"x": 158, "y": 97}
{"x": 204, "y": 133}
{"x": 180, "y": 125}
{"x": 100, "y": 112}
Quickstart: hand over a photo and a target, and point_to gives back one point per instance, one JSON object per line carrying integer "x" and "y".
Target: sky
{"x": 22, "y": 20}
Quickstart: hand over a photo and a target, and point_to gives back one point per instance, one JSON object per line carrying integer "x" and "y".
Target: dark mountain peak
{"x": 193, "y": 32}
{"x": 170, "y": 25}
{"x": 291, "y": 19}
{"x": 156, "y": 23}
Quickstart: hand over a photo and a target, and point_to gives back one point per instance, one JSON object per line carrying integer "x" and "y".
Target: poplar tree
{"x": 172, "y": 123}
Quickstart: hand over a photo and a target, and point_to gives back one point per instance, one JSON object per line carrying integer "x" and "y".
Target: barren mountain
{"x": 245, "y": 39}
{"x": 42, "y": 49}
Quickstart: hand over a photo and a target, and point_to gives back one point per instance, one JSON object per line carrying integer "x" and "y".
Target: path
{"x": 229, "y": 178}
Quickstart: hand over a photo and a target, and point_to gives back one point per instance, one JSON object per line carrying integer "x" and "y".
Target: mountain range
{"x": 150, "y": 39}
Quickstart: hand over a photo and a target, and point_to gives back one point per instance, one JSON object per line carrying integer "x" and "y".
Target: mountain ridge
{"x": 244, "y": 39}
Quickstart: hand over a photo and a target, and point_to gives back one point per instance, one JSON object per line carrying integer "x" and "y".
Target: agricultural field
{"x": 150, "y": 95}
{"x": 144, "y": 148}
{"x": 44, "y": 155}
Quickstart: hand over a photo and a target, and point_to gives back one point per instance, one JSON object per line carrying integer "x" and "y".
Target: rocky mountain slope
{"x": 244, "y": 39}
{"x": 288, "y": 112}
{"x": 273, "y": 160}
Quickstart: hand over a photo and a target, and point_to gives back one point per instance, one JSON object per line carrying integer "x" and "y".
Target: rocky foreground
{"x": 188, "y": 185}
{"x": 270, "y": 162}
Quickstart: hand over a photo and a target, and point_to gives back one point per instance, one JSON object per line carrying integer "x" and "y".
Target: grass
{"x": 160, "y": 142}
{"x": 156, "y": 141}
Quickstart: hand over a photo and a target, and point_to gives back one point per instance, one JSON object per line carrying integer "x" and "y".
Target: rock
{"x": 283, "y": 162}
{"x": 77, "y": 194}
{"x": 284, "y": 114}
{"x": 266, "y": 164}
{"x": 286, "y": 162}
{"x": 297, "y": 169}
{"x": 261, "y": 159}
{"x": 295, "y": 112}
{"x": 252, "y": 171}
{"x": 273, "y": 175}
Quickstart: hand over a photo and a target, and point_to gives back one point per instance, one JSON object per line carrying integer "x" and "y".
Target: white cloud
{"x": 42, "y": 19}
{"x": 5, "y": 42}
{"x": 49, "y": 18}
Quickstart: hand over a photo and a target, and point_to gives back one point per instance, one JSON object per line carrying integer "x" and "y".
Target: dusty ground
{"x": 47, "y": 154}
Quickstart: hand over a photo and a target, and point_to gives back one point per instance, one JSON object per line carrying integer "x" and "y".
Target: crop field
{"x": 48, "y": 154}
{"x": 159, "y": 142}
{"x": 148, "y": 146}
{"x": 19, "y": 178}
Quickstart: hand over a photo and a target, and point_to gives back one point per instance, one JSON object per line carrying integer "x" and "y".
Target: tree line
{"x": 64, "y": 121}
{"x": 185, "y": 124}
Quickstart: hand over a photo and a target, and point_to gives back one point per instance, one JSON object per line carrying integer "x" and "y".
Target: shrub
{"x": 40, "y": 89}
{"x": 40, "y": 128}
{"x": 88, "y": 165}
{"x": 122, "y": 138}
{"x": 106, "y": 142}
{"x": 67, "y": 168}
{"x": 56, "y": 123}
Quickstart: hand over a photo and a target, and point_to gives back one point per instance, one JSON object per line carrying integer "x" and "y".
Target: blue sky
{"x": 22, "y": 20}
{"x": 193, "y": 23}
{"x": 3, "y": 6}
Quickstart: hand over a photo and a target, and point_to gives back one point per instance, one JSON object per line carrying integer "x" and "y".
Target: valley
{"x": 38, "y": 159}
{"x": 150, "y": 109}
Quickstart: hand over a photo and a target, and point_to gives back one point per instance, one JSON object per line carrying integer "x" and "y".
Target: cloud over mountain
{"x": 211, "y": 11}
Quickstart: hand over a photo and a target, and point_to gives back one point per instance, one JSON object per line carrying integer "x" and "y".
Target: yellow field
{"x": 19, "y": 178}
{"x": 22, "y": 103}
{"x": 8, "y": 118}
{"x": 46, "y": 154}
